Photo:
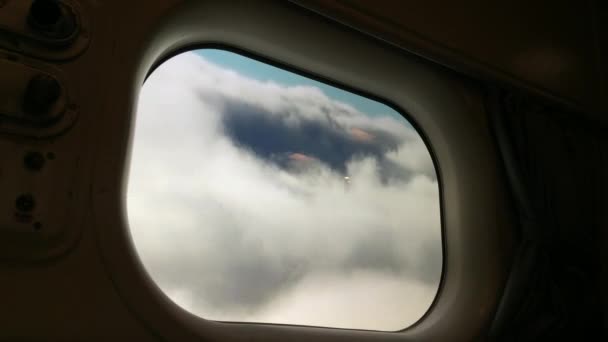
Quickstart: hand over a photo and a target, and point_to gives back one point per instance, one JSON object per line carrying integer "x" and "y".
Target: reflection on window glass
{"x": 259, "y": 195}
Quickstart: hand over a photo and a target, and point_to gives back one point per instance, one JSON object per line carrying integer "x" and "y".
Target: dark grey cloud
{"x": 239, "y": 208}
{"x": 275, "y": 137}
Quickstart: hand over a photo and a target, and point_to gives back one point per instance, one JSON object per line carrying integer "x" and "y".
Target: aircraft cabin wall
{"x": 68, "y": 267}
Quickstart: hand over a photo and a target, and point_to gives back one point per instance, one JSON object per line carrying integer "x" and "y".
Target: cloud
{"x": 268, "y": 135}
{"x": 360, "y": 299}
{"x": 240, "y": 210}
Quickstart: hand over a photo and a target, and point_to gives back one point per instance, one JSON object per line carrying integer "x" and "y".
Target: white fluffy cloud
{"x": 236, "y": 224}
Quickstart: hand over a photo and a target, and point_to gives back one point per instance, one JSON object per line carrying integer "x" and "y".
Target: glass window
{"x": 259, "y": 195}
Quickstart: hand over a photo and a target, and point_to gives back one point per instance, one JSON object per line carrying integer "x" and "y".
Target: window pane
{"x": 259, "y": 195}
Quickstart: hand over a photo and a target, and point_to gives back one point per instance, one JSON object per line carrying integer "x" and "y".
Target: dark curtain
{"x": 557, "y": 166}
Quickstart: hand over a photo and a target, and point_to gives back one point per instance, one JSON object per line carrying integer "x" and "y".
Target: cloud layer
{"x": 252, "y": 201}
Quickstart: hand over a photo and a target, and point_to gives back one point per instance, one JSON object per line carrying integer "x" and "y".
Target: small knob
{"x": 34, "y": 161}
{"x": 51, "y": 19}
{"x": 41, "y": 93}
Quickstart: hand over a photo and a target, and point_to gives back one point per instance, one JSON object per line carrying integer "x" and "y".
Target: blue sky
{"x": 263, "y": 72}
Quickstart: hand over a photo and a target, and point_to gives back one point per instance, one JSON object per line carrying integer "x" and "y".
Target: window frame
{"x": 469, "y": 247}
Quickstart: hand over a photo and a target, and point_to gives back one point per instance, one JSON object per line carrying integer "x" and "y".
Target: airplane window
{"x": 259, "y": 195}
